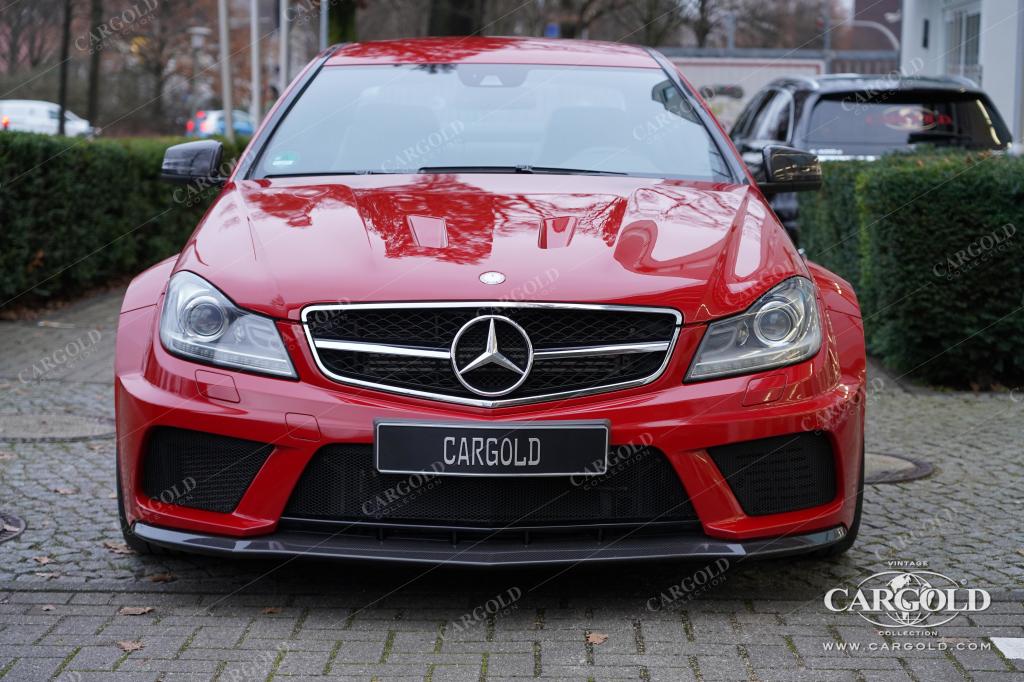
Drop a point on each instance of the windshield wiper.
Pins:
(551, 170)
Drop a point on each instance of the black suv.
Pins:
(851, 116)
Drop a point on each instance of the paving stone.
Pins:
(963, 520)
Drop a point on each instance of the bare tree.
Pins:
(29, 32)
(584, 13)
(651, 22)
(158, 44)
(42, 39)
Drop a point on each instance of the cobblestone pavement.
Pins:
(65, 581)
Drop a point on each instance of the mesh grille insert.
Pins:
(200, 470)
(434, 328)
(780, 474)
(341, 483)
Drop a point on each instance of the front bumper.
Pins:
(489, 552)
(299, 418)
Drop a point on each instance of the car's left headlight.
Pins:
(200, 323)
(781, 328)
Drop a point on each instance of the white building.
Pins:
(980, 39)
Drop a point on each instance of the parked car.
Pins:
(849, 116)
(490, 301)
(210, 122)
(34, 116)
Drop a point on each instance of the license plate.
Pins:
(553, 448)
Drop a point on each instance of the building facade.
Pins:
(980, 39)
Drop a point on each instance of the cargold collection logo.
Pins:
(909, 599)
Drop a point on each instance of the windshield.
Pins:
(492, 118)
(897, 120)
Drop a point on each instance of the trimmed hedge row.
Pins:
(75, 214)
(934, 245)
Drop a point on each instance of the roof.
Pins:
(843, 82)
(492, 50)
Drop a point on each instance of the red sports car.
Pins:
(490, 301)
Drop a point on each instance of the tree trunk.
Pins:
(13, 39)
(65, 48)
(93, 108)
(702, 29)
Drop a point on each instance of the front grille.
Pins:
(780, 474)
(340, 483)
(407, 348)
(200, 470)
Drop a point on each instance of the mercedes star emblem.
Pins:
(492, 355)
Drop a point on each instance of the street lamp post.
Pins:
(282, 76)
(197, 40)
(225, 71)
(255, 105)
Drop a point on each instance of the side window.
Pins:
(757, 121)
(744, 124)
(779, 128)
(773, 124)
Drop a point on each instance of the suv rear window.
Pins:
(885, 121)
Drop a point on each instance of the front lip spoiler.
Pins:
(492, 552)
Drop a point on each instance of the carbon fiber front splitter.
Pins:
(496, 551)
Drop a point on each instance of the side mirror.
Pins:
(789, 170)
(193, 161)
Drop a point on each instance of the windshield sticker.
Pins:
(284, 159)
(914, 118)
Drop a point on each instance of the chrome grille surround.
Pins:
(647, 349)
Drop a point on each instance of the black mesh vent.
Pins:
(549, 376)
(547, 328)
(781, 474)
(341, 483)
(200, 470)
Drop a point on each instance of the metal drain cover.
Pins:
(887, 468)
(53, 427)
(10, 526)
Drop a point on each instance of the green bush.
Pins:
(940, 243)
(75, 214)
(830, 231)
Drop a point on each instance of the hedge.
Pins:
(75, 214)
(934, 245)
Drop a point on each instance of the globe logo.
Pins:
(915, 583)
(909, 599)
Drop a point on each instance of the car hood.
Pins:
(705, 249)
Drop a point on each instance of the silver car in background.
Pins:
(36, 116)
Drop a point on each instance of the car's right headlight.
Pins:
(200, 323)
(781, 328)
